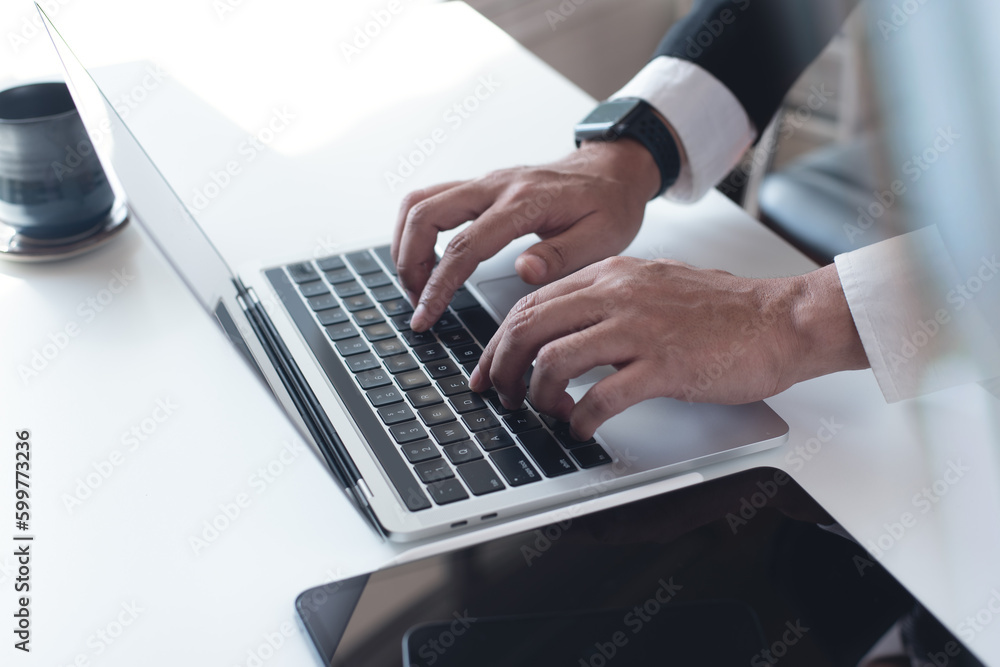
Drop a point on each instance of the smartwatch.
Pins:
(634, 118)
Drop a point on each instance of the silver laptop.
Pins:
(390, 409)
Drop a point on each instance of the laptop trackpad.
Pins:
(501, 294)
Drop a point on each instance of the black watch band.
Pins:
(634, 118)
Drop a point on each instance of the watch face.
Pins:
(610, 113)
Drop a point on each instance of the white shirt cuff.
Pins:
(713, 128)
(919, 333)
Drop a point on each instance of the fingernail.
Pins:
(474, 379)
(535, 266)
(417, 320)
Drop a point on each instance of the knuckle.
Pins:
(603, 401)
(460, 247)
(549, 359)
(521, 323)
(411, 199)
(420, 213)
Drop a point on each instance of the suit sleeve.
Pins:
(756, 48)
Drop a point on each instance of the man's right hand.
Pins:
(585, 207)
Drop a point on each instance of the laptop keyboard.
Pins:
(453, 443)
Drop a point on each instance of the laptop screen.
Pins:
(160, 212)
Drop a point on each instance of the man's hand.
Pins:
(586, 207)
(671, 330)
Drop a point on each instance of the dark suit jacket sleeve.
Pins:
(756, 48)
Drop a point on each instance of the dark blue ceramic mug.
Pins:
(52, 185)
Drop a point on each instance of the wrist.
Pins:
(627, 161)
(824, 337)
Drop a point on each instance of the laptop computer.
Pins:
(390, 409)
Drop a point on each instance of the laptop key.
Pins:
(415, 339)
(408, 432)
(467, 402)
(456, 338)
(368, 317)
(467, 354)
(440, 369)
(549, 456)
(362, 362)
(495, 438)
(372, 379)
(322, 302)
(313, 289)
(341, 331)
(397, 307)
(378, 279)
(395, 414)
(436, 414)
(480, 420)
(480, 477)
(424, 450)
(462, 452)
(378, 331)
(569, 442)
(338, 276)
(356, 303)
(330, 263)
(498, 407)
(515, 466)
(445, 434)
(384, 396)
(590, 456)
(463, 300)
(470, 366)
(388, 347)
(332, 316)
(433, 471)
(401, 363)
(363, 262)
(479, 323)
(456, 384)
(429, 353)
(385, 254)
(446, 322)
(421, 398)
(351, 288)
(351, 346)
(402, 322)
(386, 293)
(522, 421)
(412, 380)
(447, 491)
(302, 272)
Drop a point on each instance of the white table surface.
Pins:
(320, 186)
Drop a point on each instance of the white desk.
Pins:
(320, 185)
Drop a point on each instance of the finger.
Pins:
(530, 328)
(480, 379)
(589, 240)
(570, 357)
(609, 397)
(425, 219)
(409, 201)
(492, 231)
